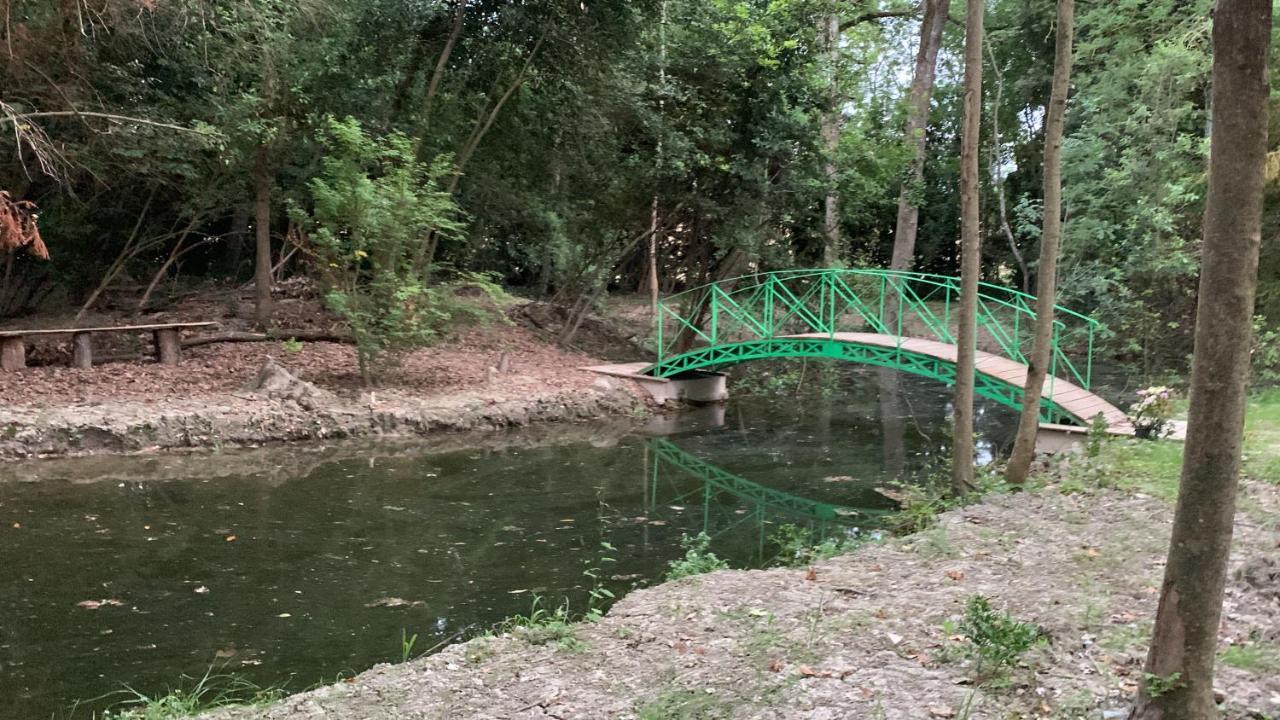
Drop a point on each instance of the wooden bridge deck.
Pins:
(1072, 398)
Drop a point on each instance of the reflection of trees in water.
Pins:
(893, 422)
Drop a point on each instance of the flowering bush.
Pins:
(1152, 412)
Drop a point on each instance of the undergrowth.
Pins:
(995, 641)
(208, 692)
(543, 626)
(698, 558)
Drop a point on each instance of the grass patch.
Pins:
(1155, 467)
(206, 693)
(1262, 437)
(1258, 658)
(685, 705)
(543, 626)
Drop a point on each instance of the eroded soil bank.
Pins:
(862, 635)
(493, 378)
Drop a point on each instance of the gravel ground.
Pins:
(862, 635)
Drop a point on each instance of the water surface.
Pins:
(294, 565)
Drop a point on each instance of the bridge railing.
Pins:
(888, 302)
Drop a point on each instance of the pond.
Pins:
(292, 566)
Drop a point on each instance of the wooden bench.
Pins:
(13, 343)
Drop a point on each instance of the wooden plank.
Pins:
(115, 328)
(1077, 401)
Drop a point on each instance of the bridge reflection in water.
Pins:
(733, 505)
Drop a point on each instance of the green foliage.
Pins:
(698, 559)
(685, 705)
(797, 547)
(543, 626)
(406, 645)
(1256, 656)
(1157, 685)
(598, 596)
(994, 639)
(1097, 437)
(373, 207)
(293, 346)
(1266, 352)
(206, 693)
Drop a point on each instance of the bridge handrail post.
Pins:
(769, 294)
(662, 350)
(883, 279)
(828, 286)
(1055, 350)
(1088, 367)
(946, 308)
(898, 330)
(715, 314)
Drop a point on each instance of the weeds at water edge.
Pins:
(698, 559)
(208, 692)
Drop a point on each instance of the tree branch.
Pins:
(872, 16)
(19, 117)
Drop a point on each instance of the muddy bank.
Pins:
(863, 635)
(249, 418)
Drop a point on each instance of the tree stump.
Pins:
(168, 346)
(82, 350)
(13, 354)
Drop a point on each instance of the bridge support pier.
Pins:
(696, 386)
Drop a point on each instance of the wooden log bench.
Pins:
(168, 338)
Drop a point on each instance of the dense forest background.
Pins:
(157, 137)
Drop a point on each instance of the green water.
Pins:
(292, 566)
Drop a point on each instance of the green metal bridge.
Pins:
(901, 320)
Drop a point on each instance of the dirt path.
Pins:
(863, 636)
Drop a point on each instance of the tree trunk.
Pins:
(13, 354)
(262, 232)
(931, 26)
(82, 350)
(652, 272)
(1024, 447)
(1184, 641)
(892, 422)
(970, 254)
(830, 132)
(996, 163)
(168, 346)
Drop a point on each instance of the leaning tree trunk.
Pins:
(1024, 447)
(1185, 638)
(970, 252)
(262, 230)
(904, 237)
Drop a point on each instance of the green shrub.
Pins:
(796, 546)
(698, 558)
(373, 208)
(995, 639)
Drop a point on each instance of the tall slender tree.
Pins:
(829, 32)
(263, 305)
(1024, 447)
(918, 97)
(970, 254)
(1185, 638)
